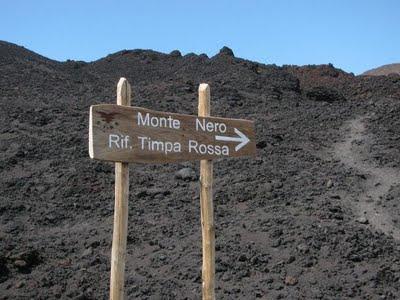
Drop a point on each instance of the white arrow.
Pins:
(243, 139)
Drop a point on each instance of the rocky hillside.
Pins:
(314, 216)
(384, 70)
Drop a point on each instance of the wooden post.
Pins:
(118, 252)
(206, 207)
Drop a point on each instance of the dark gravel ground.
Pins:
(284, 229)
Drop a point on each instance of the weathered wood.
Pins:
(118, 253)
(207, 208)
(133, 134)
(124, 134)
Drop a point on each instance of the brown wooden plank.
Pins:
(207, 207)
(120, 233)
(134, 134)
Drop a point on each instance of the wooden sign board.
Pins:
(134, 134)
(124, 134)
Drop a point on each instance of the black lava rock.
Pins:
(321, 93)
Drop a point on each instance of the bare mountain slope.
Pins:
(289, 224)
(384, 70)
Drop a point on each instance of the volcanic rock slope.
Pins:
(384, 70)
(314, 216)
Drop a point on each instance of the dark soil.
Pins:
(289, 224)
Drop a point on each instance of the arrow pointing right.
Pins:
(242, 139)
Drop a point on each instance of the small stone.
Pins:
(20, 263)
(269, 195)
(242, 258)
(362, 220)
(276, 243)
(10, 227)
(329, 184)
(65, 262)
(277, 184)
(41, 189)
(302, 248)
(186, 174)
(27, 258)
(290, 280)
(157, 191)
(268, 187)
(269, 280)
(308, 262)
(141, 194)
(243, 273)
(291, 259)
(87, 252)
(261, 144)
(226, 277)
(19, 284)
(95, 244)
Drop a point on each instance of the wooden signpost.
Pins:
(123, 134)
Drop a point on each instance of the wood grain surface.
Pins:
(134, 134)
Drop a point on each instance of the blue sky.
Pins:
(353, 35)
